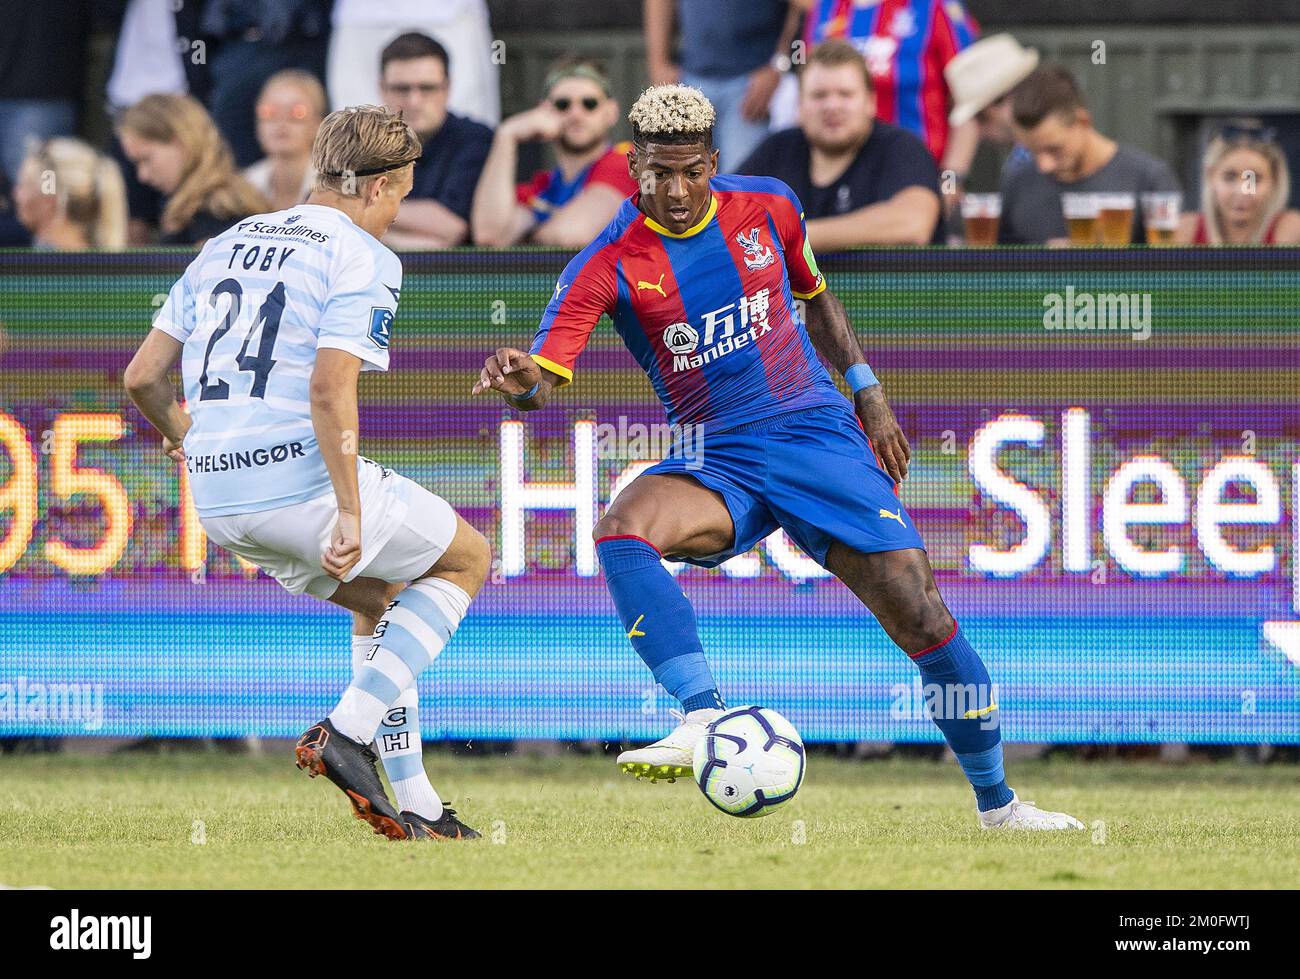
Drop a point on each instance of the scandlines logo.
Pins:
(282, 230)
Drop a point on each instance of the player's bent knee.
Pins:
(467, 560)
(917, 621)
(614, 524)
(924, 624)
(367, 598)
(937, 628)
(478, 553)
(391, 592)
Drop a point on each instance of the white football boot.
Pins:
(672, 757)
(1025, 815)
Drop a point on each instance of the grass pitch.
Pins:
(208, 819)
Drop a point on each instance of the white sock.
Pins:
(414, 630)
(398, 743)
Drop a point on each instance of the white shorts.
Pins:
(404, 530)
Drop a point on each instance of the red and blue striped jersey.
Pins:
(907, 44)
(709, 314)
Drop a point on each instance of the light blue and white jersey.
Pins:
(252, 310)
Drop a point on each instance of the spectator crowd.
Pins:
(893, 121)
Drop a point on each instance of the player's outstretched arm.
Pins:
(832, 336)
(517, 377)
(146, 381)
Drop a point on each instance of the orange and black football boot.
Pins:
(322, 750)
(445, 827)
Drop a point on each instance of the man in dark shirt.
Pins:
(415, 77)
(861, 181)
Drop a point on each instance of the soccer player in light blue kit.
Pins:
(700, 274)
(273, 322)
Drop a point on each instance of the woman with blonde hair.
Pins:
(71, 197)
(176, 148)
(289, 111)
(1245, 186)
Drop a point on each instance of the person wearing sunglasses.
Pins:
(568, 205)
(1245, 186)
(415, 78)
(289, 111)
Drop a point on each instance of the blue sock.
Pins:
(658, 619)
(959, 697)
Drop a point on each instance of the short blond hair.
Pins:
(360, 142)
(672, 114)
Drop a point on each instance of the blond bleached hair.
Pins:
(88, 189)
(356, 144)
(672, 114)
(1218, 148)
(209, 180)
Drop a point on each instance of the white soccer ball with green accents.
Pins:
(749, 762)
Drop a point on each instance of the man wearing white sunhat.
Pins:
(980, 79)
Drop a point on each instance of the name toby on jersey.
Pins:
(219, 462)
(734, 326)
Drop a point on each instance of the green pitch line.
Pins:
(213, 820)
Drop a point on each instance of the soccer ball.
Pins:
(749, 762)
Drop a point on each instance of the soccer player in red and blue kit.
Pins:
(701, 275)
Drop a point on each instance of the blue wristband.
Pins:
(516, 398)
(860, 376)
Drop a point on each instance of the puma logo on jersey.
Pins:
(891, 515)
(656, 286)
(634, 631)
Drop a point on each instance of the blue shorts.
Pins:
(810, 472)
